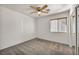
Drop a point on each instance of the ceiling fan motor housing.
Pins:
(38, 8)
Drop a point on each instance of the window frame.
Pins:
(57, 25)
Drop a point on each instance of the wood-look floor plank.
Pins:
(38, 47)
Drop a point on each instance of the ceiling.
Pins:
(24, 8)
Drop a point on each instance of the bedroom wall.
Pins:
(15, 27)
(43, 29)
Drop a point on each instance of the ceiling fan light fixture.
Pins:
(39, 12)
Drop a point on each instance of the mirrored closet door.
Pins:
(74, 29)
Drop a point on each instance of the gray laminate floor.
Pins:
(38, 47)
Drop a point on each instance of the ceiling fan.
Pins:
(40, 10)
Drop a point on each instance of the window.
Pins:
(58, 25)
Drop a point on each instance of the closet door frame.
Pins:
(76, 27)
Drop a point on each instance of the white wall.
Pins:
(15, 28)
(43, 31)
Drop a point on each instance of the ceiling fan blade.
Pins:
(44, 11)
(34, 12)
(45, 6)
(47, 9)
(39, 14)
(33, 7)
